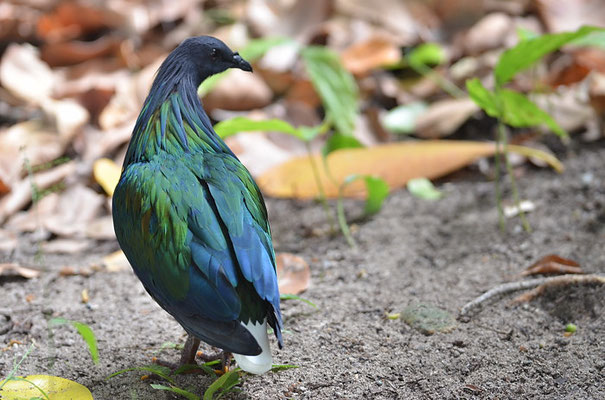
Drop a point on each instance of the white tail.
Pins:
(261, 363)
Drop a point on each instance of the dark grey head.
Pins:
(196, 59)
(211, 56)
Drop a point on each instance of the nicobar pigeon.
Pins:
(192, 221)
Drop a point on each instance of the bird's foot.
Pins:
(187, 363)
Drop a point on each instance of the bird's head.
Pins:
(210, 56)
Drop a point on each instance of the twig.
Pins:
(529, 284)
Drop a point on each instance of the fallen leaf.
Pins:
(107, 174)
(77, 207)
(21, 193)
(373, 53)
(396, 163)
(56, 388)
(74, 52)
(443, 117)
(240, 90)
(66, 246)
(293, 273)
(70, 20)
(8, 241)
(13, 269)
(489, 33)
(116, 261)
(25, 75)
(84, 296)
(423, 189)
(563, 15)
(553, 264)
(101, 228)
(403, 119)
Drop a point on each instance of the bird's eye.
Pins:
(214, 53)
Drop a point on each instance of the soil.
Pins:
(443, 253)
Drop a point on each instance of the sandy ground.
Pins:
(442, 253)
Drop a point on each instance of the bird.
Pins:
(191, 220)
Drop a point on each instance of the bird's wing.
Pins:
(197, 236)
(241, 209)
(176, 245)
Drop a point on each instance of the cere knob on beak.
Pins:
(240, 63)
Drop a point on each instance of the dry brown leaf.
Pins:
(21, 193)
(101, 228)
(565, 15)
(74, 52)
(8, 241)
(26, 141)
(66, 246)
(396, 163)
(13, 269)
(553, 264)
(442, 118)
(25, 75)
(116, 261)
(297, 19)
(393, 15)
(70, 20)
(240, 90)
(489, 33)
(78, 206)
(107, 174)
(293, 273)
(373, 53)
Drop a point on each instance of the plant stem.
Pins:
(513, 180)
(445, 84)
(342, 219)
(501, 219)
(322, 194)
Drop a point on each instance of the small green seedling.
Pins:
(85, 332)
(571, 328)
(513, 108)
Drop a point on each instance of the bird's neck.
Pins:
(173, 121)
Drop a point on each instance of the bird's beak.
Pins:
(239, 62)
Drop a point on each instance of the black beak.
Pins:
(240, 63)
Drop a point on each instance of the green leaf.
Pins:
(89, 337)
(335, 85)
(338, 141)
(519, 111)
(402, 119)
(175, 389)
(295, 297)
(225, 383)
(257, 48)
(484, 98)
(594, 39)
(282, 367)
(85, 332)
(427, 54)
(527, 52)
(162, 372)
(423, 188)
(242, 124)
(526, 34)
(377, 189)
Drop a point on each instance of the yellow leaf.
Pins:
(396, 163)
(56, 388)
(107, 174)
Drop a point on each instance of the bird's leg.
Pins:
(189, 351)
(187, 355)
(225, 361)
